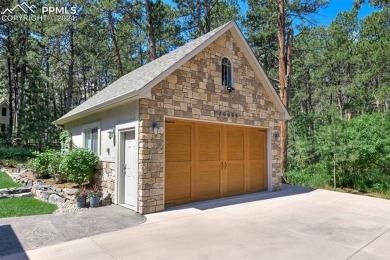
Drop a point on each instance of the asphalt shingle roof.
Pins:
(140, 77)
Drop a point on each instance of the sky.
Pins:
(327, 14)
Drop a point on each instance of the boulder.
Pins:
(45, 195)
(69, 191)
(56, 199)
(42, 187)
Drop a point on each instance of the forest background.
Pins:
(333, 77)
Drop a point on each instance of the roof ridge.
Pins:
(136, 79)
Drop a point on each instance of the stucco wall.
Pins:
(106, 170)
(107, 120)
(194, 91)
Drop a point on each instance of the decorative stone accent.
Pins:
(194, 91)
(105, 178)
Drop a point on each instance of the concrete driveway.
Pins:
(295, 223)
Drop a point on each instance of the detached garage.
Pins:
(206, 161)
(198, 123)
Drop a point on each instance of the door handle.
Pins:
(221, 165)
(225, 165)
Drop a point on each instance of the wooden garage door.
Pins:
(204, 161)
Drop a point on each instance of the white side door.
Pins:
(130, 170)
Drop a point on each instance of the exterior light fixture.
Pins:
(230, 89)
(155, 127)
(277, 135)
(111, 133)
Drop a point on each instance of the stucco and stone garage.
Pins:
(200, 122)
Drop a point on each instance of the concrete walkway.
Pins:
(294, 223)
(27, 233)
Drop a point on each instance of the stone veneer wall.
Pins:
(105, 178)
(194, 91)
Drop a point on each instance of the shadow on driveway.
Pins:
(21, 234)
(10, 244)
(287, 190)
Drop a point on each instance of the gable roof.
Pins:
(3, 101)
(139, 82)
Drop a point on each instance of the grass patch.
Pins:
(16, 207)
(7, 182)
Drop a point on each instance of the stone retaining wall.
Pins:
(104, 176)
(15, 192)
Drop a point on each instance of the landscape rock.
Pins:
(56, 199)
(45, 195)
(19, 195)
(69, 191)
(42, 187)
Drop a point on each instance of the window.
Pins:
(2, 128)
(227, 77)
(4, 111)
(91, 141)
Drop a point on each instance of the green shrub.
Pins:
(78, 165)
(309, 178)
(10, 163)
(46, 164)
(20, 154)
(66, 141)
(358, 149)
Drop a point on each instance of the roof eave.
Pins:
(100, 107)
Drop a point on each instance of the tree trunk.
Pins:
(69, 90)
(23, 74)
(152, 40)
(340, 103)
(140, 52)
(208, 16)
(282, 82)
(198, 19)
(10, 90)
(114, 41)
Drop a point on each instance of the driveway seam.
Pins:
(370, 242)
(105, 250)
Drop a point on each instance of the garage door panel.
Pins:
(209, 143)
(178, 143)
(235, 143)
(177, 181)
(235, 177)
(209, 179)
(257, 175)
(257, 143)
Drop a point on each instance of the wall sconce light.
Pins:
(155, 127)
(230, 89)
(111, 133)
(277, 136)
